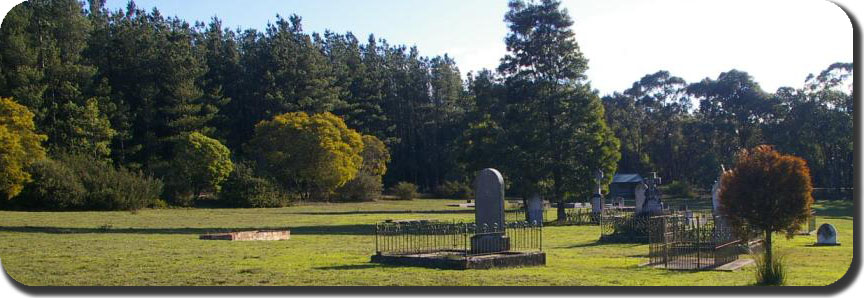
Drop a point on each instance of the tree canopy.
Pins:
(125, 86)
(309, 154)
(20, 146)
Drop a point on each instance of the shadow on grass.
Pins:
(839, 208)
(383, 212)
(352, 267)
(598, 243)
(357, 229)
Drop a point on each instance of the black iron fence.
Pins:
(682, 241)
(626, 226)
(623, 226)
(467, 239)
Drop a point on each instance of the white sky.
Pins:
(777, 42)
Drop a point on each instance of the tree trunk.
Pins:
(768, 253)
(562, 213)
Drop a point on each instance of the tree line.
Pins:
(129, 88)
(686, 131)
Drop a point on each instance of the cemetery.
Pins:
(489, 242)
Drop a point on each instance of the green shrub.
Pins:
(244, 189)
(113, 188)
(159, 204)
(200, 164)
(770, 272)
(680, 189)
(364, 187)
(54, 187)
(454, 190)
(404, 190)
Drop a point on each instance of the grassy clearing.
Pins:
(331, 245)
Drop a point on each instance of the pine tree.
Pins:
(563, 137)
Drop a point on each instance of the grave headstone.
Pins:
(534, 208)
(489, 198)
(719, 219)
(652, 204)
(639, 193)
(597, 201)
(826, 235)
(489, 213)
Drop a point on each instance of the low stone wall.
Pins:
(249, 236)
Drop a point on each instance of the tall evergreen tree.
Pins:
(45, 70)
(563, 138)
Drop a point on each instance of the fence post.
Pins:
(377, 231)
(698, 244)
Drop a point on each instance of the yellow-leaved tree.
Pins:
(310, 155)
(20, 146)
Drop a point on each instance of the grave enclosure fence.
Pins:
(573, 216)
(626, 226)
(692, 242)
(412, 238)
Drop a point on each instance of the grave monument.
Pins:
(489, 213)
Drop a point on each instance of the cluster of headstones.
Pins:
(489, 206)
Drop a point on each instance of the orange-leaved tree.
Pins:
(766, 191)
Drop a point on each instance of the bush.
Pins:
(200, 163)
(308, 155)
(113, 188)
(364, 187)
(404, 190)
(244, 189)
(454, 190)
(54, 187)
(680, 189)
(770, 272)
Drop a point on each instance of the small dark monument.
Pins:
(534, 209)
(826, 236)
(490, 242)
(652, 204)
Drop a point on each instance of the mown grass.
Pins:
(331, 245)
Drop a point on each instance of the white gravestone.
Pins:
(597, 201)
(640, 196)
(719, 219)
(826, 235)
(489, 213)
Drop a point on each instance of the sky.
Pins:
(778, 42)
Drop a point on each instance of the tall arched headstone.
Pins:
(489, 198)
(490, 236)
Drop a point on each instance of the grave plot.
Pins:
(489, 242)
(681, 242)
(459, 245)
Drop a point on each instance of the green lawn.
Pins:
(331, 245)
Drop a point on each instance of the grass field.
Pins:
(331, 244)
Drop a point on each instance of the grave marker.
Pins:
(489, 213)
(826, 235)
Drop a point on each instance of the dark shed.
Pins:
(624, 185)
